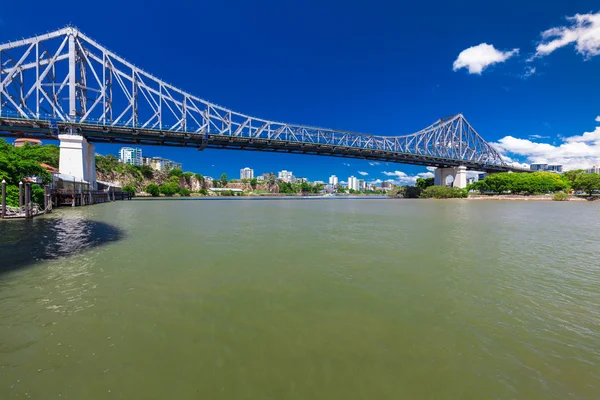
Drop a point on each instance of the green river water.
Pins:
(302, 299)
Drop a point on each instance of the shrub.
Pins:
(199, 177)
(129, 189)
(176, 172)
(184, 192)
(561, 196)
(203, 192)
(153, 190)
(227, 193)
(169, 188)
(443, 192)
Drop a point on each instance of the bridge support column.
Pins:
(77, 158)
(459, 174)
(460, 177)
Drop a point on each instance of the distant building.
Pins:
(301, 180)
(333, 180)
(538, 167)
(470, 180)
(386, 185)
(481, 176)
(260, 178)
(319, 182)
(558, 168)
(246, 173)
(353, 183)
(594, 170)
(23, 141)
(161, 164)
(362, 186)
(130, 155)
(286, 176)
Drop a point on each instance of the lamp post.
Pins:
(20, 196)
(3, 198)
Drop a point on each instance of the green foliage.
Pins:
(184, 192)
(199, 177)
(17, 163)
(572, 176)
(153, 190)
(405, 192)
(443, 192)
(587, 182)
(226, 193)
(560, 196)
(253, 183)
(37, 194)
(203, 192)
(188, 175)
(108, 163)
(169, 188)
(12, 195)
(129, 189)
(223, 180)
(146, 171)
(520, 183)
(424, 183)
(272, 179)
(176, 172)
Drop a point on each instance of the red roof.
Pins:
(49, 168)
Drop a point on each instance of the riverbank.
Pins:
(548, 197)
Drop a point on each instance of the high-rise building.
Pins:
(286, 176)
(333, 180)
(353, 183)
(130, 155)
(246, 173)
(162, 164)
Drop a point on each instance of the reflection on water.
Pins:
(24, 242)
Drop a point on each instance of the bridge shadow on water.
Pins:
(25, 242)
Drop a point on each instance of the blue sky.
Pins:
(380, 67)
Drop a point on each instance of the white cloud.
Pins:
(376, 181)
(477, 58)
(597, 118)
(536, 136)
(579, 151)
(431, 169)
(363, 173)
(374, 163)
(529, 71)
(401, 178)
(584, 32)
(346, 164)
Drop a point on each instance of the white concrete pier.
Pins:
(77, 158)
(459, 174)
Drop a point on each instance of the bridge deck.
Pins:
(14, 127)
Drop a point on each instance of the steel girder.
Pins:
(65, 76)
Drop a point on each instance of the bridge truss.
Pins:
(64, 81)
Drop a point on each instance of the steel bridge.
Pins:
(64, 82)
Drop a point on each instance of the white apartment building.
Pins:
(286, 176)
(594, 170)
(246, 173)
(130, 155)
(353, 183)
(333, 180)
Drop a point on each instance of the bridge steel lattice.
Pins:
(64, 82)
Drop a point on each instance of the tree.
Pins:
(184, 192)
(424, 183)
(200, 178)
(153, 189)
(223, 180)
(129, 189)
(253, 183)
(169, 188)
(146, 171)
(572, 176)
(588, 183)
(176, 172)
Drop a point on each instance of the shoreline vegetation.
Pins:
(576, 185)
